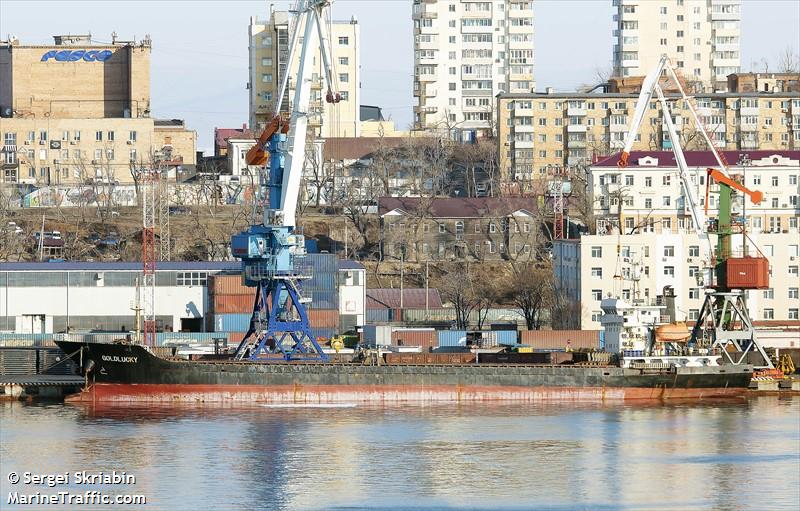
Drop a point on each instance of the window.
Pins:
(76, 135)
(133, 155)
(669, 271)
(191, 278)
(344, 77)
(492, 227)
(648, 203)
(43, 136)
(344, 40)
(665, 200)
(132, 136)
(665, 180)
(459, 230)
(597, 252)
(769, 294)
(794, 314)
(98, 154)
(98, 136)
(769, 313)
(266, 78)
(628, 180)
(774, 180)
(442, 229)
(109, 154)
(694, 293)
(597, 294)
(266, 40)
(344, 61)
(694, 251)
(669, 251)
(597, 272)
(110, 136)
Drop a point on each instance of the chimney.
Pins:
(549, 90)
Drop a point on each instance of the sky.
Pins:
(199, 62)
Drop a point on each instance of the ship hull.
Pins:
(128, 373)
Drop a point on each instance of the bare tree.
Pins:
(530, 289)
(788, 61)
(458, 286)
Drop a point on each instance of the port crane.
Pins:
(272, 252)
(724, 323)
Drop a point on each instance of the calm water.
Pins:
(698, 456)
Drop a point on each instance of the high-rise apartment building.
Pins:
(269, 53)
(535, 131)
(701, 38)
(465, 53)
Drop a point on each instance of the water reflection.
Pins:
(729, 455)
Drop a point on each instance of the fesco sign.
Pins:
(75, 55)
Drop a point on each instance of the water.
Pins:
(735, 455)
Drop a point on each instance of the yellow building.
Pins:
(269, 53)
(541, 130)
(78, 112)
(76, 78)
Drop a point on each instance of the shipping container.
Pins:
(323, 318)
(231, 322)
(452, 338)
(229, 285)
(747, 273)
(232, 304)
(377, 315)
(377, 335)
(425, 338)
(498, 338)
(428, 315)
(560, 339)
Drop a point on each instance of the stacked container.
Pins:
(561, 339)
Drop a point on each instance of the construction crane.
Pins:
(724, 323)
(272, 252)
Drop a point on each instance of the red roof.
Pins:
(695, 158)
(356, 148)
(412, 299)
(221, 135)
(458, 207)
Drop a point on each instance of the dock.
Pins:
(47, 386)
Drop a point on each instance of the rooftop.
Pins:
(356, 148)
(706, 158)
(457, 207)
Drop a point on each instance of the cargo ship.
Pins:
(128, 372)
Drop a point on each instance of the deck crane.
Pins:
(724, 324)
(272, 252)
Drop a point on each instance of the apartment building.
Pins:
(548, 129)
(79, 112)
(648, 196)
(701, 37)
(465, 53)
(594, 267)
(459, 229)
(269, 55)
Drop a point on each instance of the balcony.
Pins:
(726, 47)
(576, 144)
(575, 112)
(616, 128)
(630, 63)
(576, 128)
(748, 127)
(749, 110)
(523, 144)
(749, 144)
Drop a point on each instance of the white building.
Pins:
(269, 55)
(352, 294)
(647, 196)
(594, 267)
(237, 159)
(701, 38)
(465, 53)
(81, 297)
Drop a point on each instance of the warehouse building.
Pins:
(93, 296)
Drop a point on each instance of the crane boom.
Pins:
(271, 252)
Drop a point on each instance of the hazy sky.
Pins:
(199, 60)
